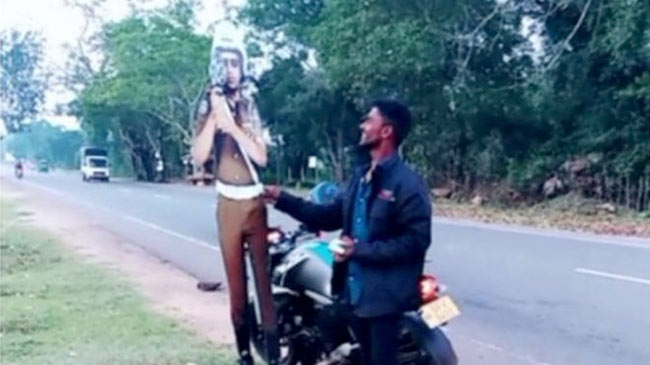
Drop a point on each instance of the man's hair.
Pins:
(397, 114)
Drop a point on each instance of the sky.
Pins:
(60, 24)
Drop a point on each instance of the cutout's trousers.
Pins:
(245, 222)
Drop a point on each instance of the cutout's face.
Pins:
(233, 67)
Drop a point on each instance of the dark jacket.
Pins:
(399, 219)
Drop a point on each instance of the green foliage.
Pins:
(41, 140)
(145, 98)
(313, 118)
(490, 104)
(56, 310)
(502, 91)
(22, 82)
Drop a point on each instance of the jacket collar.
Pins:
(382, 168)
(389, 163)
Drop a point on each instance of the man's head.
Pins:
(387, 123)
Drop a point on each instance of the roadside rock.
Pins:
(607, 207)
(478, 200)
(577, 166)
(553, 187)
(444, 193)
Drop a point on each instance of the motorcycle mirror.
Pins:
(324, 193)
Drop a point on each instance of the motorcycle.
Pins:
(301, 269)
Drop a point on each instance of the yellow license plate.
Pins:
(440, 311)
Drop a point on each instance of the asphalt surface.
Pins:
(528, 296)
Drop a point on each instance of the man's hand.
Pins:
(271, 194)
(348, 244)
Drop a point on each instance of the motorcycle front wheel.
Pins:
(293, 350)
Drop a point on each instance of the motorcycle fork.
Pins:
(252, 287)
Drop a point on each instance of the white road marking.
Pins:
(170, 232)
(487, 345)
(608, 275)
(492, 347)
(45, 188)
(162, 196)
(128, 217)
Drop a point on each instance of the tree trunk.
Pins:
(647, 191)
(138, 166)
(603, 184)
(136, 159)
(148, 165)
(620, 191)
(609, 196)
(339, 154)
(627, 190)
(639, 194)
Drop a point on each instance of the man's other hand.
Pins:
(348, 244)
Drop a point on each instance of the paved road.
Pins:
(528, 296)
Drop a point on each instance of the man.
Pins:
(385, 214)
(233, 132)
(18, 168)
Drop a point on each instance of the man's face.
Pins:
(374, 129)
(233, 66)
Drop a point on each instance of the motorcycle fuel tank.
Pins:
(307, 269)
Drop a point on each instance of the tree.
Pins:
(596, 93)
(312, 117)
(502, 92)
(156, 69)
(22, 81)
(42, 140)
(417, 51)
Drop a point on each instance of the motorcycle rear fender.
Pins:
(433, 341)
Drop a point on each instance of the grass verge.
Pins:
(56, 309)
(568, 213)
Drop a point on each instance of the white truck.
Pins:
(94, 164)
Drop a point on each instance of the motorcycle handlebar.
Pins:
(299, 233)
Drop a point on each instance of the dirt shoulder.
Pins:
(169, 291)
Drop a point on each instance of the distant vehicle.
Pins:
(18, 169)
(43, 165)
(94, 164)
(199, 175)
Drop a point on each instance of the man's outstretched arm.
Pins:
(327, 217)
